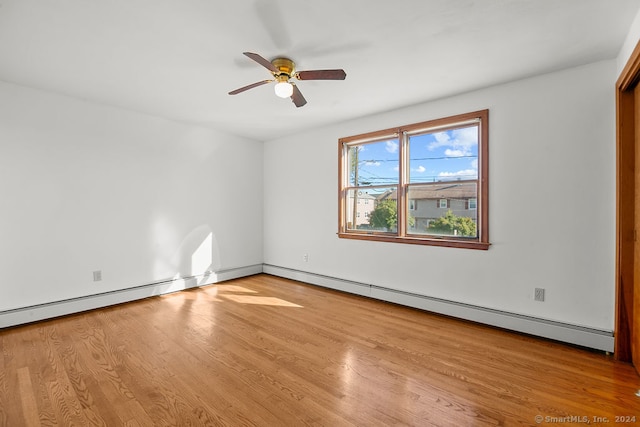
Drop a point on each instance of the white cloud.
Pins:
(463, 174)
(391, 146)
(442, 138)
(419, 169)
(459, 141)
(454, 153)
(372, 163)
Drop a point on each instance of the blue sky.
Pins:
(438, 156)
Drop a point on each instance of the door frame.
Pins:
(625, 205)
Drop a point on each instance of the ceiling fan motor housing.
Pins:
(285, 66)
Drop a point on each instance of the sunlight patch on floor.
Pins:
(258, 300)
(235, 288)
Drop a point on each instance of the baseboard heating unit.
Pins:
(50, 310)
(573, 334)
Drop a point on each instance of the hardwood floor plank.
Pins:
(26, 393)
(4, 401)
(268, 351)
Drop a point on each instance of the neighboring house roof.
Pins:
(439, 190)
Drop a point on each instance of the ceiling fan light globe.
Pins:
(283, 89)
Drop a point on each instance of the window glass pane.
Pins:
(374, 163)
(444, 155)
(430, 218)
(373, 209)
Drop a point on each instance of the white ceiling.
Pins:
(178, 59)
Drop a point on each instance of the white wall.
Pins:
(552, 203)
(85, 187)
(629, 44)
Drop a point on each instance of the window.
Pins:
(443, 164)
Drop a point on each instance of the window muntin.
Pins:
(407, 173)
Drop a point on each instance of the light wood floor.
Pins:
(272, 352)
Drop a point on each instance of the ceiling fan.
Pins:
(283, 70)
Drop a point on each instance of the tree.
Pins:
(453, 225)
(385, 215)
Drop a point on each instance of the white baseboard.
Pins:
(568, 333)
(50, 310)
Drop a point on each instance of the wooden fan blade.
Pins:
(260, 60)
(297, 97)
(321, 75)
(251, 86)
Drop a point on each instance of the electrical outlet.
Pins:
(539, 294)
(97, 275)
(305, 257)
